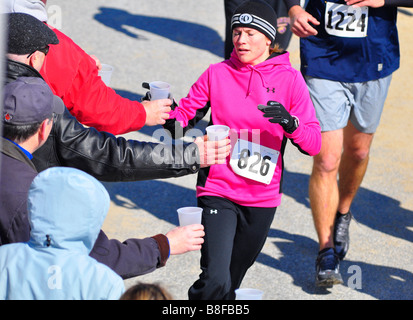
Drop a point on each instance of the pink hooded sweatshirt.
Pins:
(252, 175)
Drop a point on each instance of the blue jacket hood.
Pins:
(66, 208)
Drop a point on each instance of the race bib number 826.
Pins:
(253, 161)
(346, 21)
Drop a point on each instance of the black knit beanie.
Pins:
(27, 34)
(257, 15)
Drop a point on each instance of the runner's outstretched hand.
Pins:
(278, 114)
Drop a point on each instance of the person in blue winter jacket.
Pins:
(66, 210)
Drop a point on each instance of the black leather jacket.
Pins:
(101, 154)
(109, 158)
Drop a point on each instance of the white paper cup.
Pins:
(106, 73)
(189, 215)
(217, 132)
(248, 294)
(159, 90)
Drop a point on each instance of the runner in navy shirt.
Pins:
(349, 50)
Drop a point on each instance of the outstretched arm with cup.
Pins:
(210, 152)
(157, 108)
(185, 239)
(88, 98)
(134, 257)
(157, 111)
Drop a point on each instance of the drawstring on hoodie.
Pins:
(264, 83)
(48, 240)
(241, 67)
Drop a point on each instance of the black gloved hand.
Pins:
(147, 96)
(277, 114)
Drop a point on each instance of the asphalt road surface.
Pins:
(175, 41)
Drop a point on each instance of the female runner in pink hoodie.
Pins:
(264, 101)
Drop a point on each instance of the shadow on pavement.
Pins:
(297, 259)
(372, 209)
(187, 33)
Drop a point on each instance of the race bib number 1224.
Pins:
(346, 21)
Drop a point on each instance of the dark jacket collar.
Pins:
(11, 150)
(17, 69)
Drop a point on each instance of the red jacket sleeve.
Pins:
(72, 75)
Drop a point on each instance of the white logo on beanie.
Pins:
(256, 15)
(245, 18)
(255, 22)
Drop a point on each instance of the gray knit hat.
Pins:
(257, 15)
(27, 34)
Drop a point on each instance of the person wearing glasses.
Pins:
(82, 90)
(45, 51)
(106, 158)
(29, 107)
(55, 195)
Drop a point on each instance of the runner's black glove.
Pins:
(147, 96)
(277, 114)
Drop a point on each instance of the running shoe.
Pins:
(328, 268)
(341, 233)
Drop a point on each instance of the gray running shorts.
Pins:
(338, 102)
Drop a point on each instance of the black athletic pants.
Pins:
(234, 236)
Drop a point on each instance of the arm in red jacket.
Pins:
(72, 75)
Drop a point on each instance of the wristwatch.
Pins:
(296, 121)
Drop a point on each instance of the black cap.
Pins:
(257, 15)
(29, 100)
(28, 34)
